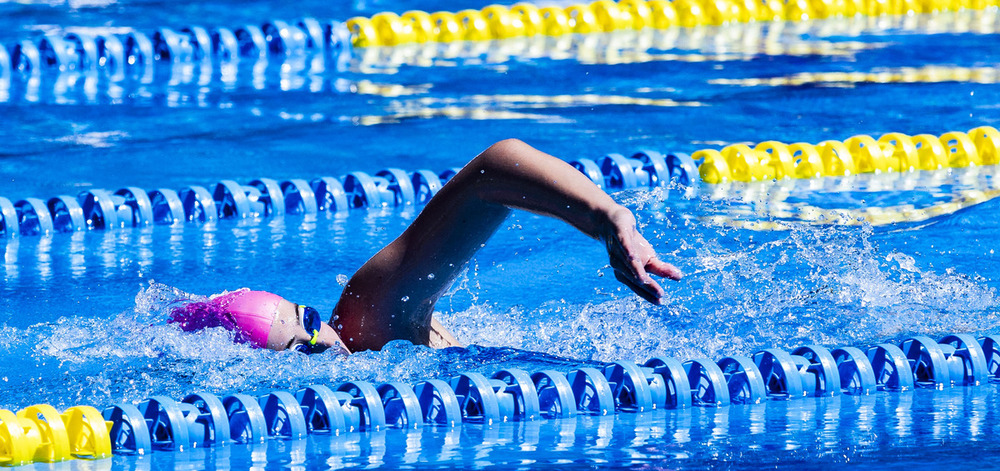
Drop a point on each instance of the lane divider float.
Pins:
(40, 434)
(100, 209)
(603, 16)
(892, 152)
(134, 53)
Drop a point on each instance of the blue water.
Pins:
(82, 314)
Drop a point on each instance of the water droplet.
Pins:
(405, 298)
(342, 279)
(430, 276)
(482, 171)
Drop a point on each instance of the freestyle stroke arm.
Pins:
(392, 296)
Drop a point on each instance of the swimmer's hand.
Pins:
(633, 258)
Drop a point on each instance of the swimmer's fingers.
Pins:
(647, 292)
(664, 269)
(633, 274)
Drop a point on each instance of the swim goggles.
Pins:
(311, 322)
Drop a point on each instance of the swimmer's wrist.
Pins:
(612, 221)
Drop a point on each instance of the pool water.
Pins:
(83, 314)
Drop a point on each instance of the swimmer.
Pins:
(391, 297)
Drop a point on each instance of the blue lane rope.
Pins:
(203, 419)
(99, 209)
(133, 54)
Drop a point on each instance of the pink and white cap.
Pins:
(252, 311)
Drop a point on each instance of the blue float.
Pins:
(209, 423)
(629, 387)
(139, 55)
(201, 42)
(401, 186)
(744, 380)
(299, 197)
(682, 169)
(8, 219)
(138, 202)
(675, 379)
(591, 392)
(822, 368)
(99, 209)
(477, 398)
(966, 359)
(167, 206)
(991, 351)
(6, 69)
(857, 376)
(168, 428)
(401, 406)
(363, 406)
(67, 214)
(85, 49)
(246, 419)
(283, 416)
(251, 42)
(618, 172)
(284, 39)
(315, 36)
(591, 170)
(231, 200)
(270, 197)
(198, 204)
(33, 217)
(927, 361)
(425, 184)
(170, 46)
(128, 431)
(438, 403)
(520, 389)
(225, 46)
(654, 168)
(26, 59)
(707, 383)
(330, 195)
(891, 368)
(363, 191)
(321, 409)
(55, 53)
(111, 55)
(781, 374)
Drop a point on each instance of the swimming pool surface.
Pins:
(83, 314)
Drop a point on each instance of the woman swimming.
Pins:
(391, 297)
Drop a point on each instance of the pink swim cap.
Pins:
(253, 312)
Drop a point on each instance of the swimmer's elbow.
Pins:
(502, 153)
(509, 147)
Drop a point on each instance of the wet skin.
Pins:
(287, 331)
(392, 297)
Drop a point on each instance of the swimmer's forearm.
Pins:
(517, 175)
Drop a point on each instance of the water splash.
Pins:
(744, 291)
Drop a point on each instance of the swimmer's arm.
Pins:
(440, 337)
(392, 296)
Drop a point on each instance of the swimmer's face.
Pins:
(287, 331)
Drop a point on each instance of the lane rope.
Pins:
(40, 434)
